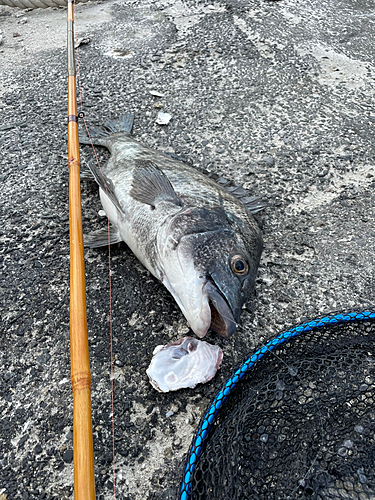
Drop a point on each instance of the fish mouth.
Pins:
(222, 319)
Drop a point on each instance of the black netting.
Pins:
(300, 425)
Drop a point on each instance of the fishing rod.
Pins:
(84, 481)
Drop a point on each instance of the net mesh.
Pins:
(300, 425)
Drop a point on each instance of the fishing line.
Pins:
(82, 115)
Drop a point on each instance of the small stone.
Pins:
(270, 162)
(163, 118)
(82, 41)
(68, 456)
(323, 173)
(177, 442)
(38, 449)
(156, 93)
(43, 358)
(23, 440)
(7, 127)
(7, 376)
(15, 35)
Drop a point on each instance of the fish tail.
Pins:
(99, 135)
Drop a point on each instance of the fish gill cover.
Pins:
(299, 425)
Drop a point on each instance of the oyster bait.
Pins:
(184, 363)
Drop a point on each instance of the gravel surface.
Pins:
(276, 95)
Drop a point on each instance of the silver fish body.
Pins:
(199, 240)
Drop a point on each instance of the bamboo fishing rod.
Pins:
(84, 482)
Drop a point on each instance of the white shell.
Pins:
(163, 118)
(184, 363)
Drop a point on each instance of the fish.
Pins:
(194, 235)
(183, 364)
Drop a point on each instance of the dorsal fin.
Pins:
(253, 203)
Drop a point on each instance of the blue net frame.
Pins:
(231, 384)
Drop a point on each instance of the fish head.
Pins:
(210, 260)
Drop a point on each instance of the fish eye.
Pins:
(239, 265)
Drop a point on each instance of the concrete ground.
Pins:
(276, 95)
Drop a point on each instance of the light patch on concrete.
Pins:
(265, 46)
(290, 17)
(43, 30)
(185, 17)
(337, 68)
(161, 449)
(119, 53)
(316, 198)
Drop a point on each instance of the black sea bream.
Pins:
(198, 239)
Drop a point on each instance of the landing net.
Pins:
(298, 425)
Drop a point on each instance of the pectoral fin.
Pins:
(102, 237)
(151, 186)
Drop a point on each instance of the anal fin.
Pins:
(101, 238)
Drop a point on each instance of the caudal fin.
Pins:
(99, 135)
